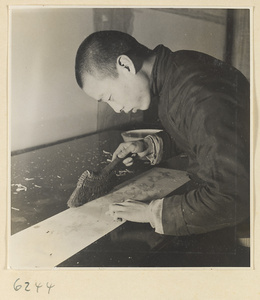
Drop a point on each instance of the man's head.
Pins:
(109, 67)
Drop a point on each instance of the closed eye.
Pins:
(101, 100)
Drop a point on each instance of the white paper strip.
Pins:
(55, 239)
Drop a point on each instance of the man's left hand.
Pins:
(131, 210)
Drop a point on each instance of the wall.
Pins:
(241, 41)
(46, 103)
(179, 31)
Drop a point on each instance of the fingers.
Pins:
(120, 215)
(121, 151)
(125, 148)
(124, 206)
(126, 203)
(128, 161)
(116, 211)
(117, 207)
(130, 210)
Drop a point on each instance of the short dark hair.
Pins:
(98, 53)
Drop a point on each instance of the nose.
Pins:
(116, 107)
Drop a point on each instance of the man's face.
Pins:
(128, 92)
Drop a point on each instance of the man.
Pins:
(203, 105)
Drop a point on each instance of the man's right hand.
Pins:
(141, 148)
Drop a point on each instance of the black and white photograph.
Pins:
(130, 138)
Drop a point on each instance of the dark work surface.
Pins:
(50, 175)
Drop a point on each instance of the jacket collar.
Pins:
(162, 65)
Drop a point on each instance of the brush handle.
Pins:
(110, 167)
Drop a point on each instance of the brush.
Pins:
(92, 185)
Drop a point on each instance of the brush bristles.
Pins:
(89, 187)
(74, 198)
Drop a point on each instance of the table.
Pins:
(43, 179)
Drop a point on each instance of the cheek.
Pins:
(140, 94)
(128, 94)
(131, 93)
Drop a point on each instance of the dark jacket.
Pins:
(203, 105)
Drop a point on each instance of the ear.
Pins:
(125, 64)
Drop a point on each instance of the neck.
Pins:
(147, 67)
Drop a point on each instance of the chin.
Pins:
(147, 103)
(145, 106)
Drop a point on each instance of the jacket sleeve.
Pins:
(170, 148)
(215, 129)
